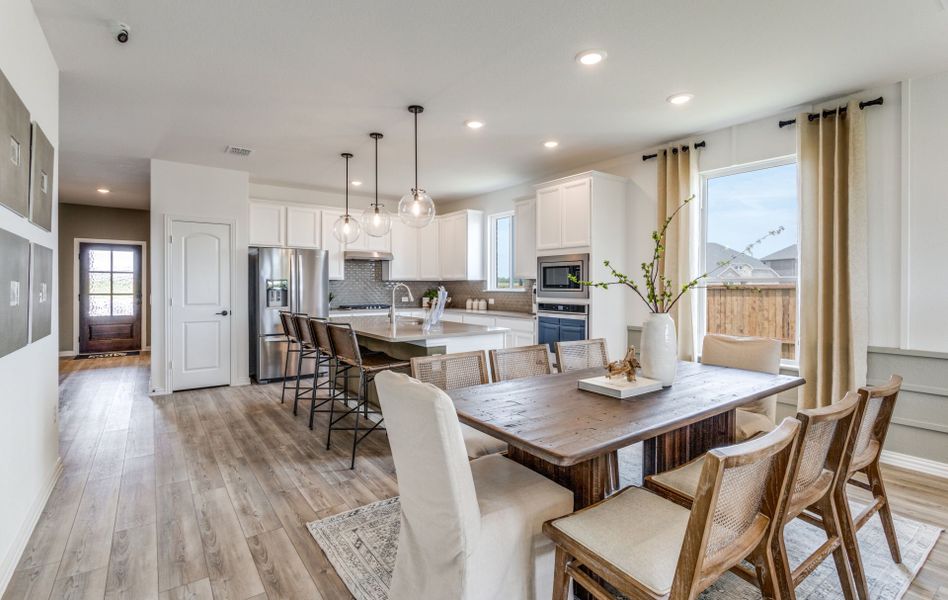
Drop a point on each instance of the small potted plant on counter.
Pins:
(429, 295)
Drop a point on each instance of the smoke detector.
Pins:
(239, 151)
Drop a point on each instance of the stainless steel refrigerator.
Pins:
(282, 279)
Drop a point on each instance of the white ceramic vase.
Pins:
(660, 348)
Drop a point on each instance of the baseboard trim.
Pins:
(66, 354)
(914, 463)
(12, 558)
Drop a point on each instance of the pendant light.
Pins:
(375, 219)
(347, 227)
(416, 208)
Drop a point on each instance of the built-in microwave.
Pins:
(553, 276)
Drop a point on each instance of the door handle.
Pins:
(223, 313)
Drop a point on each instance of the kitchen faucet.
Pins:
(391, 311)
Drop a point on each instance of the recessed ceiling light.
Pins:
(474, 124)
(103, 190)
(679, 99)
(551, 144)
(591, 57)
(356, 182)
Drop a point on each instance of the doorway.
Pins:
(110, 297)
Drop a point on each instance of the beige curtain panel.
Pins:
(833, 289)
(676, 175)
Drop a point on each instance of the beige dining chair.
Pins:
(750, 354)
(873, 417)
(646, 546)
(469, 529)
(581, 354)
(524, 361)
(452, 371)
(825, 435)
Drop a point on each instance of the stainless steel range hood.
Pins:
(368, 255)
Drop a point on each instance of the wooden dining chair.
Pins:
(581, 354)
(452, 371)
(750, 354)
(873, 417)
(646, 546)
(825, 436)
(515, 363)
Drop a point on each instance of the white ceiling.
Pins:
(300, 81)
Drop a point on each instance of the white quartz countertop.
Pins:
(410, 330)
(404, 310)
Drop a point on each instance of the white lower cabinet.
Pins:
(520, 331)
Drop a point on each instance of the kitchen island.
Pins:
(407, 338)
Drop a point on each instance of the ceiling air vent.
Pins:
(237, 150)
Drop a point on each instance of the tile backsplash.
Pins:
(363, 285)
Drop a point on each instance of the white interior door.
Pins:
(200, 304)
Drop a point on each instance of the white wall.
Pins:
(29, 445)
(183, 190)
(300, 195)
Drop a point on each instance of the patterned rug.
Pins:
(361, 545)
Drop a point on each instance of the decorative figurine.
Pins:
(626, 366)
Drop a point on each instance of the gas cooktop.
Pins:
(364, 306)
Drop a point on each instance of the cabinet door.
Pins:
(572, 330)
(549, 218)
(453, 245)
(337, 263)
(548, 331)
(481, 320)
(266, 224)
(525, 239)
(379, 244)
(404, 264)
(521, 338)
(303, 227)
(429, 252)
(452, 317)
(576, 203)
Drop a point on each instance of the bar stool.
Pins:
(325, 358)
(349, 359)
(292, 347)
(307, 351)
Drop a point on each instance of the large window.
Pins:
(752, 292)
(501, 254)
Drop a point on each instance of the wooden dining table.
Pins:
(572, 436)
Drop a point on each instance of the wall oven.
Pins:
(553, 276)
(561, 323)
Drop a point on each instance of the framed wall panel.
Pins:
(41, 179)
(41, 292)
(14, 150)
(14, 292)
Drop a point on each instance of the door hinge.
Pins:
(170, 239)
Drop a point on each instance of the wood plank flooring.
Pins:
(205, 495)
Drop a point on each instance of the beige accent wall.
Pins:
(101, 223)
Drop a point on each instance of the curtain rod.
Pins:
(828, 113)
(684, 148)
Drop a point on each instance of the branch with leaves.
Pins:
(659, 294)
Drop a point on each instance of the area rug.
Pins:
(361, 545)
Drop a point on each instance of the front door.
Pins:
(200, 304)
(110, 298)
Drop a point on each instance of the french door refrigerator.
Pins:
(290, 279)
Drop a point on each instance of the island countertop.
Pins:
(410, 331)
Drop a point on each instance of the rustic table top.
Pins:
(550, 417)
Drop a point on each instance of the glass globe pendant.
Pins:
(416, 208)
(347, 228)
(375, 219)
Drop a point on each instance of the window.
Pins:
(752, 292)
(501, 254)
(111, 283)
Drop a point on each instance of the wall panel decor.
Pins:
(14, 150)
(41, 179)
(14, 292)
(41, 292)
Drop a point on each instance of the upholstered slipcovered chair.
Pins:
(751, 354)
(469, 530)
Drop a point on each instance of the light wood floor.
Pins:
(205, 494)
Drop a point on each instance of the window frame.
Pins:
(704, 177)
(491, 282)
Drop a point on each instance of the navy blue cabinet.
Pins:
(552, 329)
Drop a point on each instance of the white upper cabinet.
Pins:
(429, 252)
(462, 245)
(303, 227)
(379, 244)
(549, 218)
(563, 215)
(404, 264)
(267, 224)
(337, 263)
(525, 239)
